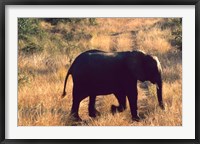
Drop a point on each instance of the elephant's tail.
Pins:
(64, 92)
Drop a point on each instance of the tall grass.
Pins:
(42, 72)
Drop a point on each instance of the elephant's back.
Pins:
(91, 56)
(96, 58)
(85, 58)
(95, 63)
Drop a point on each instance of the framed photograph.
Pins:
(99, 72)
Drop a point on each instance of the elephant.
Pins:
(96, 72)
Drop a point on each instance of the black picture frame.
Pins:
(99, 2)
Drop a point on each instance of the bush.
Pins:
(176, 25)
(177, 32)
(31, 48)
(55, 21)
(28, 26)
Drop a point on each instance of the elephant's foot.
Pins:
(136, 118)
(75, 117)
(94, 113)
(115, 109)
(162, 106)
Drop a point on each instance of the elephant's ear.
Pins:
(136, 65)
(152, 67)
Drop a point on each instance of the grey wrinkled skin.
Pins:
(96, 72)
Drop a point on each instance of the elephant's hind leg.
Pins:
(77, 98)
(91, 108)
(122, 103)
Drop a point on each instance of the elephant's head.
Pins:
(147, 68)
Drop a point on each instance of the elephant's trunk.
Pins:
(159, 92)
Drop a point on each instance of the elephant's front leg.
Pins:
(132, 98)
(92, 110)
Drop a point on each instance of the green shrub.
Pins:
(55, 21)
(31, 48)
(27, 27)
(176, 26)
(177, 32)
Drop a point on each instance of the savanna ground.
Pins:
(47, 47)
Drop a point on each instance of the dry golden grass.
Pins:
(39, 94)
(154, 40)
